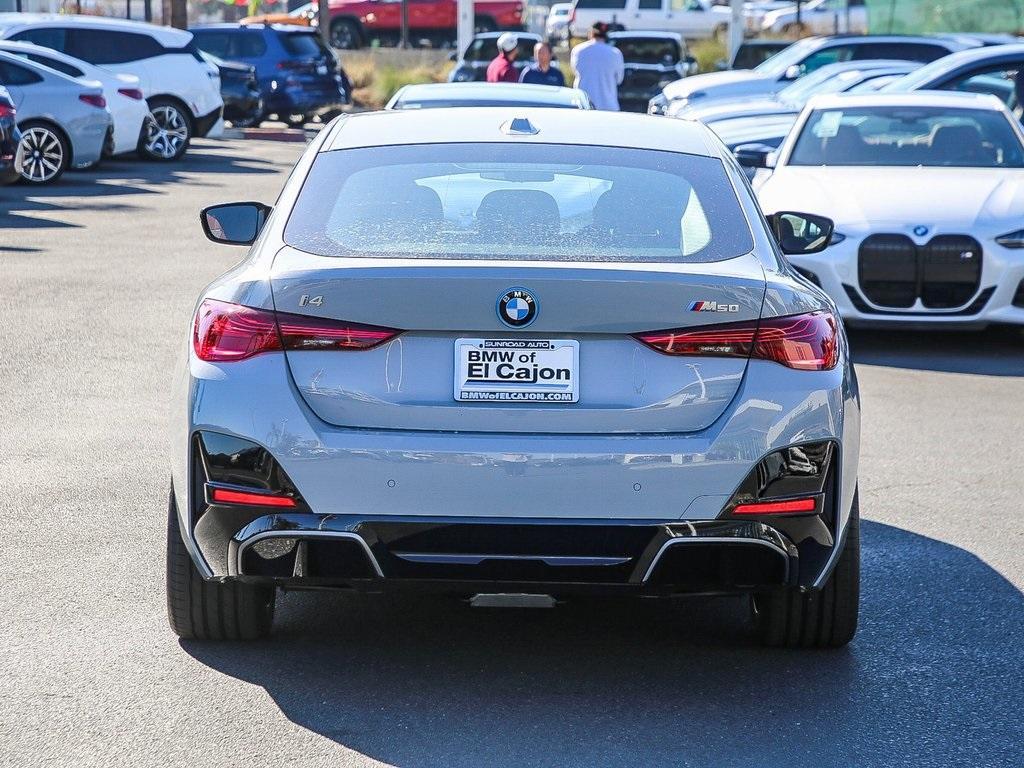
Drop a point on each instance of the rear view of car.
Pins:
(64, 123)
(515, 355)
(243, 104)
(299, 78)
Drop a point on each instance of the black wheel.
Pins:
(43, 153)
(166, 132)
(251, 120)
(822, 619)
(483, 24)
(345, 34)
(211, 610)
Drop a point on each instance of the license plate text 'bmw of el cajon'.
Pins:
(517, 370)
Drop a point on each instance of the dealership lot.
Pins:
(100, 272)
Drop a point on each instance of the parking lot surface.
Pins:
(99, 274)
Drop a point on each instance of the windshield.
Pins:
(639, 50)
(787, 57)
(908, 136)
(486, 49)
(538, 202)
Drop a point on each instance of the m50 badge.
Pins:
(713, 306)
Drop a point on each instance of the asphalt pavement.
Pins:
(98, 277)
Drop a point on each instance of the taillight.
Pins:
(807, 342)
(131, 93)
(93, 98)
(225, 332)
(6, 111)
(229, 496)
(790, 507)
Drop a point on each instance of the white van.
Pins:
(693, 19)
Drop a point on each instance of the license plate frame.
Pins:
(532, 371)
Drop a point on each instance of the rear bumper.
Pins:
(204, 124)
(547, 556)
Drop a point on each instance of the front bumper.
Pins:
(835, 270)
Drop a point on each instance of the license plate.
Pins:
(517, 370)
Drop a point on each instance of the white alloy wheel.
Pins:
(42, 154)
(166, 132)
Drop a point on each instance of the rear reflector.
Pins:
(226, 496)
(776, 507)
(93, 98)
(225, 332)
(131, 93)
(807, 342)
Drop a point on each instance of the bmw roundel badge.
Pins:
(920, 230)
(517, 308)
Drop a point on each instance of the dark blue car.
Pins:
(298, 76)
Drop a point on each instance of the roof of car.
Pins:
(42, 69)
(235, 26)
(647, 34)
(942, 99)
(166, 35)
(993, 53)
(491, 124)
(494, 91)
(949, 43)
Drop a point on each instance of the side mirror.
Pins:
(799, 233)
(234, 223)
(754, 155)
(793, 72)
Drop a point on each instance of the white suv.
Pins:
(693, 19)
(180, 87)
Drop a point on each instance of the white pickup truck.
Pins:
(693, 19)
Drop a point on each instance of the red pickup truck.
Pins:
(355, 23)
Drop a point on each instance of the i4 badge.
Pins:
(517, 308)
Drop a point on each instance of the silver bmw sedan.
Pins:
(516, 355)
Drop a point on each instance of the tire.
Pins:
(211, 610)
(297, 121)
(345, 34)
(43, 152)
(166, 131)
(483, 24)
(825, 618)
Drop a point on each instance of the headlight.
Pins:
(1012, 239)
(837, 238)
(656, 106)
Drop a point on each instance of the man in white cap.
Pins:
(501, 70)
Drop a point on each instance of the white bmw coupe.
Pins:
(927, 193)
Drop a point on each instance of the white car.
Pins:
(181, 89)
(693, 19)
(556, 29)
(926, 190)
(122, 92)
(820, 17)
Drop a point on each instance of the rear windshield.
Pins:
(542, 202)
(640, 50)
(908, 136)
(301, 43)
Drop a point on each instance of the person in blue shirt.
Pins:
(542, 73)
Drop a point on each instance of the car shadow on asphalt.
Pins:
(995, 351)
(117, 178)
(932, 677)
